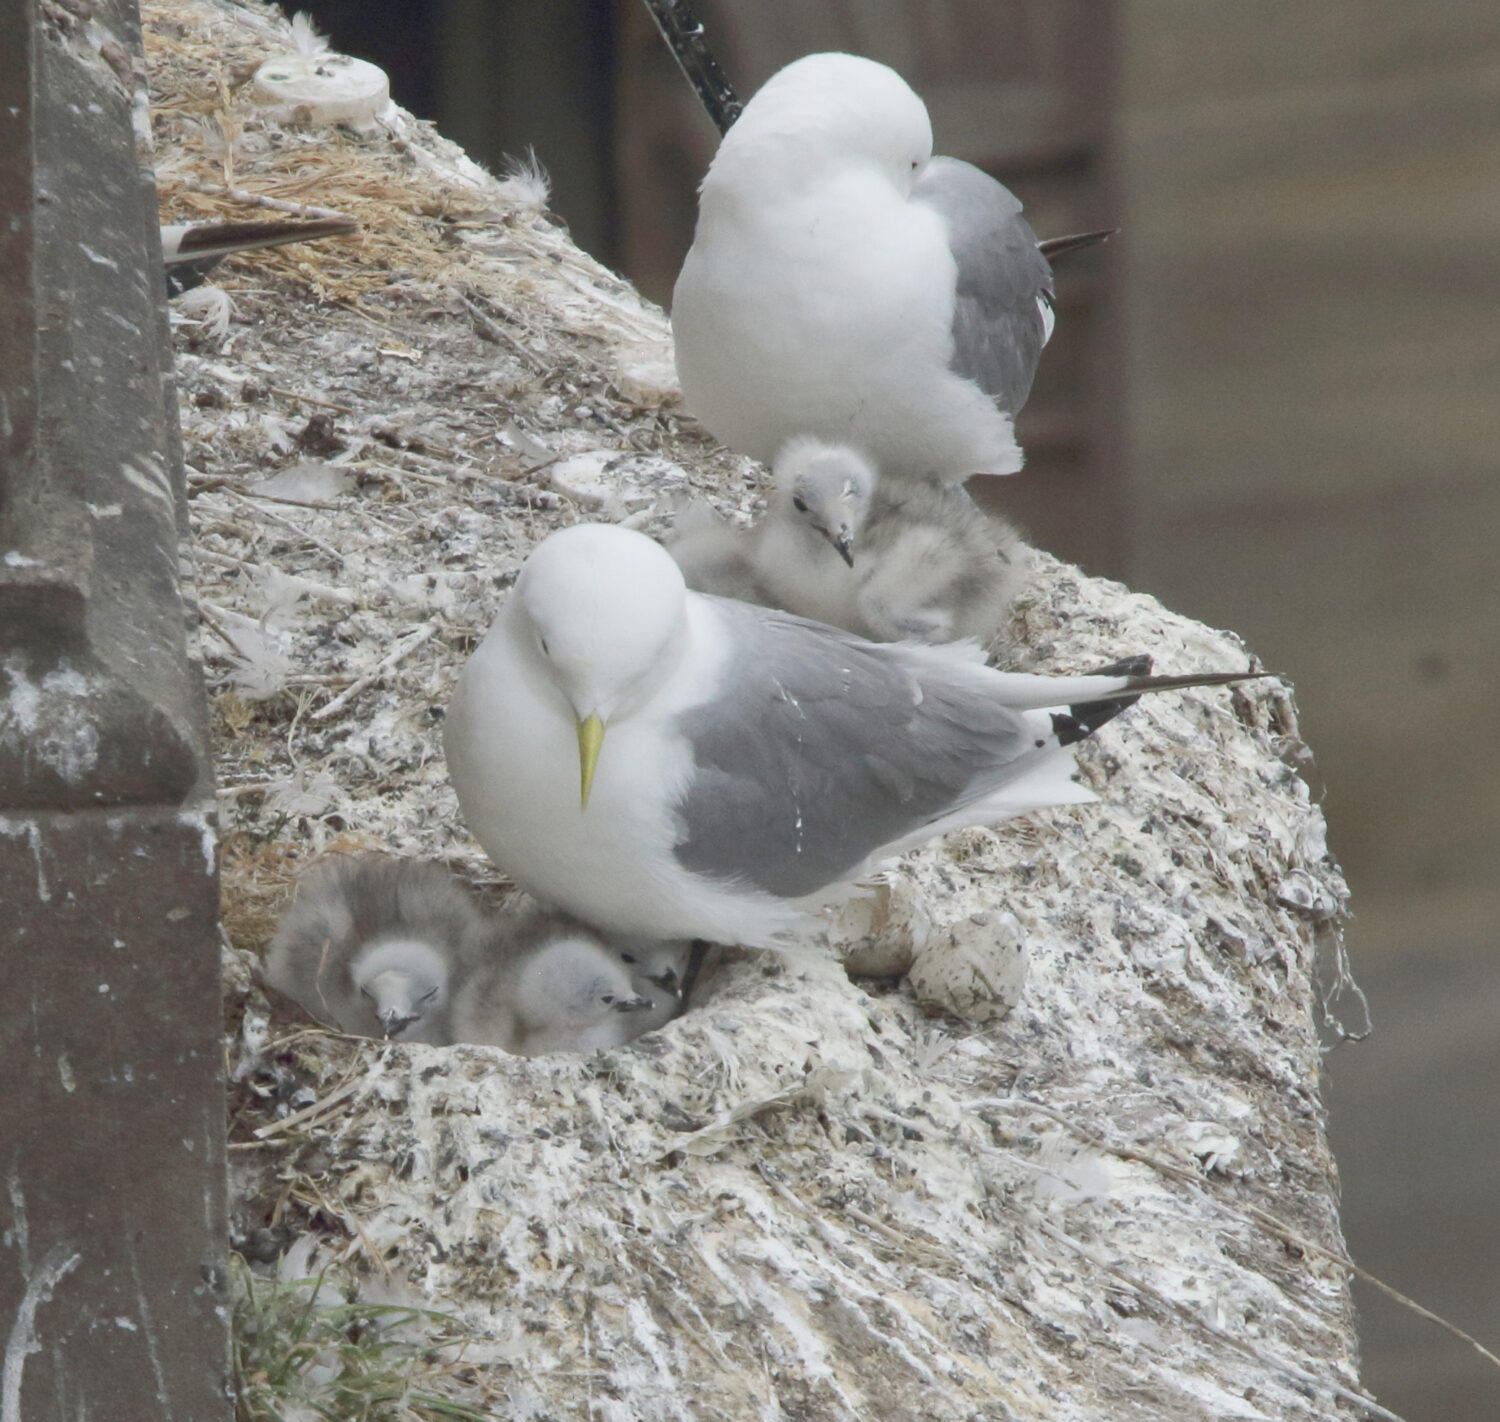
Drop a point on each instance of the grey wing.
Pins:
(1004, 282)
(822, 748)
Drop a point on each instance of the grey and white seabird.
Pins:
(845, 283)
(668, 765)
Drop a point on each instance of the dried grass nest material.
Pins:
(810, 1196)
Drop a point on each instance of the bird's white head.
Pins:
(404, 980)
(825, 113)
(573, 983)
(602, 610)
(829, 487)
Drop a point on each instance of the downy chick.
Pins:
(549, 984)
(375, 946)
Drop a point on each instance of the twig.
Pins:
(910, 1243)
(400, 650)
(197, 185)
(294, 503)
(488, 329)
(310, 400)
(210, 615)
(1171, 1305)
(298, 1118)
(250, 787)
(351, 1222)
(395, 473)
(308, 587)
(286, 523)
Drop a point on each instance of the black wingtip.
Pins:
(1137, 671)
(207, 239)
(1080, 722)
(199, 249)
(1139, 684)
(685, 37)
(1139, 665)
(696, 955)
(1083, 719)
(1054, 247)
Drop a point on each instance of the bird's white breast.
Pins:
(829, 312)
(775, 326)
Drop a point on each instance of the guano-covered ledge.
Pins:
(1006, 1146)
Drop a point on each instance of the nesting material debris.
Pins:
(806, 1195)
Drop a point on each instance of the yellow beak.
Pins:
(590, 738)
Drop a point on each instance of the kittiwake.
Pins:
(887, 559)
(670, 765)
(550, 984)
(845, 283)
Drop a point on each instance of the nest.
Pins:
(812, 1194)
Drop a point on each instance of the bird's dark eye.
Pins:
(428, 996)
(542, 643)
(608, 999)
(628, 958)
(799, 504)
(365, 992)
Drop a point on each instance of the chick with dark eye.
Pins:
(551, 984)
(374, 946)
(892, 560)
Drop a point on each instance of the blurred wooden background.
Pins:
(1274, 402)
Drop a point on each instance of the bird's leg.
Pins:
(696, 954)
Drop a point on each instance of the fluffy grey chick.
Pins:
(376, 946)
(800, 556)
(716, 557)
(550, 984)
(656, 964)
(934, 567)
(886, 559)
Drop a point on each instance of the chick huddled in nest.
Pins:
(398, 950)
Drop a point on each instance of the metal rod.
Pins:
(683, 32)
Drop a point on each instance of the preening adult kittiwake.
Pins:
(845, 283)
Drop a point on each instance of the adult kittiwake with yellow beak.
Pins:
(662, 763)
